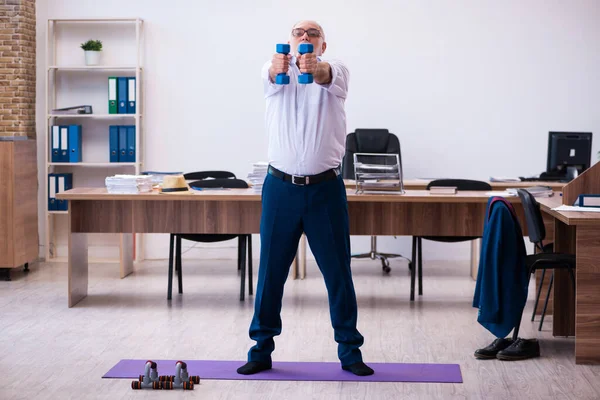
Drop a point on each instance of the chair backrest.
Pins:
(533, 217)
(368, 141)
(220, 183)
(460, 184)
(199, 175)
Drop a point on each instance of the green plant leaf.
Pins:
(93, 45)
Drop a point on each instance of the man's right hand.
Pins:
(280, 64)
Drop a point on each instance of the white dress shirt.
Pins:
(306, 123)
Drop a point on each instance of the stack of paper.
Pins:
(536, 191)
(129, 184)
(258, 175)
(504, 179)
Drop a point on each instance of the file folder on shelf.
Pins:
(130, 143)
(55, 140)
(112, 95)
(74, 143)
(52, 185)
(131, 95)
(65, 182)
(113, 143)
(64, 144)
(122, 95)
(122, 143)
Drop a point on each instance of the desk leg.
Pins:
(587, 315)
(126, 254)
(78, 267)
(563, 316)
(475, 249)
(303, 256)
(294, 270)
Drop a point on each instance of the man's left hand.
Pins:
(307, 63)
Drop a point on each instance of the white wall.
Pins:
(470, 87)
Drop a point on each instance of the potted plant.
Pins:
(92, 50)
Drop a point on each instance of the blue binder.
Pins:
(130, 143)
(55, 140)
(65, 182)
(75, 148)
(131, 95)
(64, 144)
(52, 185)
(113, 142)
(122, 95)
(122, 143)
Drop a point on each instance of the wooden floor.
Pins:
(48, 351)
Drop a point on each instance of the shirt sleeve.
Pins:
(270, 88)
(339, 79)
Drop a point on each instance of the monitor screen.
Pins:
(569, 149)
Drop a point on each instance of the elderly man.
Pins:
(304, 192)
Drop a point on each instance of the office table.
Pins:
(417, 212)
(577, 233)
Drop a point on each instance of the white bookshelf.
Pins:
(69, 82)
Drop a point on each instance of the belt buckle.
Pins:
(300, 177)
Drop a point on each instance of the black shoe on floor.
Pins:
(490, 351)
(359, 368)
(253, 367)
(521, 349)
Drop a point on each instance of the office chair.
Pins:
(201, 175)
(371, 141)
(244, 241)
(460, 184)
(546, 258)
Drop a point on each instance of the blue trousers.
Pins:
(321, 212)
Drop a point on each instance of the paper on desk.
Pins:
(565, 207)
(503, 193)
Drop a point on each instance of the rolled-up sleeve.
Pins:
(340, 75)
(270, 88)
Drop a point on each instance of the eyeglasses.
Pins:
(312, 32)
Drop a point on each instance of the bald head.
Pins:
(315, 23)
(308, 31)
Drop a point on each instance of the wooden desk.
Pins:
(421, 184)
(415, 213)
(578, 233)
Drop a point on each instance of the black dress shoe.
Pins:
(521, 349)
(490, 351)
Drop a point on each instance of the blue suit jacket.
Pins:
(502, 280)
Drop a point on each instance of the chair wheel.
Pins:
(136, 385)
(188, 385)
(167, 385)
(195, 379)
(385, 265)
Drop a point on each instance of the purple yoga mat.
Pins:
(296, 371)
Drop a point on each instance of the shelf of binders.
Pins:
(94, 67)
(113, 130)
(99, 116)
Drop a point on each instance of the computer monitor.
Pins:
(569, 154)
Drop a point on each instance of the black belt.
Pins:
(306, 179)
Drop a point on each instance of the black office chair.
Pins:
(379, 141)
(244, 241)
(417, 246)
(546, 258)
(201, 175)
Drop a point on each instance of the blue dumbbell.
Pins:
(304, 48)
(282, 79)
